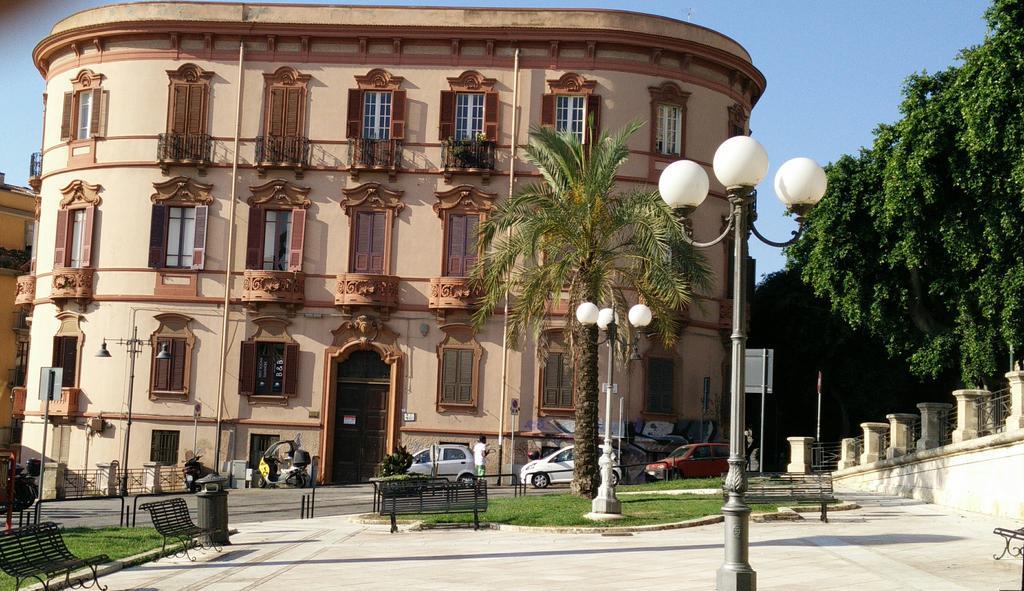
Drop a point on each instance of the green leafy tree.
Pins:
(919, 238)
(576, 233)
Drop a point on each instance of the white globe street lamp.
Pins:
(606, 505)
(740, 163)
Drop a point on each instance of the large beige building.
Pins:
(370, 144)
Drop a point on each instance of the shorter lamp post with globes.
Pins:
(134, 345)
(605, 505)
(740, 163)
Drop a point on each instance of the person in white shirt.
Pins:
(480, 451)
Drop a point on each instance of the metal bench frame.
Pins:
(39, 552)
(411, 497)
(172, 521)
(798, 488)
(1009, 535)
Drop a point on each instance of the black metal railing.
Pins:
(947, 424)
(825, 456)
(278, 149)
(35, 165)
(992, 412)
(182, 147)
(467, 154)
(82, 483)
(368, 153)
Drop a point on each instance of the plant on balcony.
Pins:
(469, 152)
(13, 258)
(576, 230)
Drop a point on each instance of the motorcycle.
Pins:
(284, 464)
(25, 491)
(193, 471)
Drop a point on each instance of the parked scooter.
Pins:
(25, 491)
(193, 471)
(284, 464)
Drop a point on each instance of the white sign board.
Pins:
(755, 374)
(50, 380)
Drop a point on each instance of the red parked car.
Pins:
(695, 459)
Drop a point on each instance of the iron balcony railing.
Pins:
(279, 149)
(992, 412)
(182, 147)
(467, 155)
(35, 165)
(372, 153)
(825, 456)
(947, 425)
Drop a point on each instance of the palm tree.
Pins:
(575, 233)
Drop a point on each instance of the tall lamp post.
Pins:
(134, 345)
(606, 503)
(740, 163)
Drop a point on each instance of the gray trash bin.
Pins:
(212, 503)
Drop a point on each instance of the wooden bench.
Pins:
(39, 552)
(172, 521)
(411, 497)
(1009, 536)
(791, 488)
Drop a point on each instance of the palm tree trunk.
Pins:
(586, 478)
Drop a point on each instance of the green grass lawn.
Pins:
(115, 542)
(568, 510)
(685, 483)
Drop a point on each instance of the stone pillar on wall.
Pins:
(901, 434)
(106, 478)
(151, 477)
(873, 442)
(54, 475)
(799, 455)
(932, 414)
(847, 454)
(1015, 420)
(967, 413)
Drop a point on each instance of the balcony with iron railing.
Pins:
(366, 154)
(468, 156)
(185, 149)
(993, 411)
(35, 170)
(277, 151)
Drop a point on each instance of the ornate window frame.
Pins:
(738, 118)
(677, 372)
(463, 199)
(276, 195)
(172, 326)
(572, 83)
(459, 337)
(552, 340)
(71, 326)
(669, 94)
(83, 151)
(190, 76)
(372, 197)
(269, 329)
(76, 195)
(285, 78)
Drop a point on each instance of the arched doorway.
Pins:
(362, 389)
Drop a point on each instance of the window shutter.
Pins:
(291, 369)
(194, 122)
(594, 115)
(158, 236)
(355, 113)
(254, 241)
(90, 216)
(552, 374)
(565, 383)
(465, 376)
(179, 108)
(275, 123)
(162, 367)
(364, 225)
(398, 115)
(292, 111)
(471, 250)
(177, 361)
(449, 375)
(65, 116)
(547, 110)
(660, 386)
(69, 360)
(446, 125)
(492, 114)
(456, 245)
(247, 369)
(377, 243)
(297, 239)
(199, 239)
(98, 120)
(60, 248)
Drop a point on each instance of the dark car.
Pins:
(695, 459)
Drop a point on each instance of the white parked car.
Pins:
(455, 462)
(556, 467)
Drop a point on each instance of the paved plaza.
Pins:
(889, 544)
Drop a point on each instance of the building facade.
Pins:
(17, 231)
(370, 145)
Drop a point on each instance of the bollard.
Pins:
(212, 504)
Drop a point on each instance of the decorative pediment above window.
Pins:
(367, 332)
(373, 195)
(737, 120)
(572, 83)
(86, 79)
(378, 79)
(465, 198)
(287, 76)
(279, 192)
(80, 192)
(472, 81)
(182, 190)
(669, 93)
(189, 74)
(271, 328)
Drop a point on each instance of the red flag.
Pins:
(819, 381)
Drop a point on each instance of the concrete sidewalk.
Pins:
(890, 544)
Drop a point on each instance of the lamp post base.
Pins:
(735, 580)
(605, 503)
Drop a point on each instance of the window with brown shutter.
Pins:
(170, 378)
(269, 368)
(660, 384)
(457, 376)
(65, 356)
(557, 382)
(285, 103)
(84, 114)
(571, 105)
(169, 374)
(369, 242)
(462, 250)
(188, 101)
(73, 237)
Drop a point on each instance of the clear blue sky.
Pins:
(834, 69)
